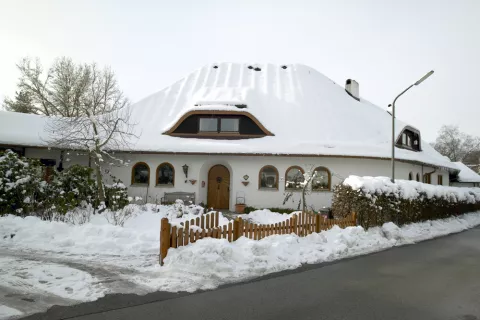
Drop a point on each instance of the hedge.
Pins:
(377, 200)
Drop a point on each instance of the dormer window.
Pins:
(218, 125)
(409, 139)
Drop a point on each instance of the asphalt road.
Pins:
(437, 279)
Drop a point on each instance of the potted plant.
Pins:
(240, 202)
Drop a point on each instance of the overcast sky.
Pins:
(384, 45)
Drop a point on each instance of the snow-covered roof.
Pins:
(466, 174)
(307, 112)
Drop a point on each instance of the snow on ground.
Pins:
(79, 262)
(266, 216)
(53, 278)
(7, 312)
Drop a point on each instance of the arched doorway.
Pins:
(218, 187)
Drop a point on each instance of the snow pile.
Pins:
(139, 236)
(405, 189)
(266, 216)
(211, 262)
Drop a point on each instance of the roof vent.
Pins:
(250, 67)
(284, 67)
(257, 69)
(353, 89)
(215, 67)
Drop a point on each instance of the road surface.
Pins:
(437, 279)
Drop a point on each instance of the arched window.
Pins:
(165, 174)
(418, 177)
(140, 173)
(410, 176)
(322, 180)
(294, 178)
(268, 178)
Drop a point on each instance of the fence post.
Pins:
(317, 223)
(236, 228)
(164, 239)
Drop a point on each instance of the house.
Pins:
(466, 177)
(231, 130)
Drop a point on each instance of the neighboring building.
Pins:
(466, 177)
(250, 130)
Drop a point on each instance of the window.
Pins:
(229, 125)
(440, 180)
(268, 178)
(294, 178)
(208, 125)
(140, 173)
(410, 176)
(427, 178)
(418, 177)
(409, 139)
(322, 180)
(165, 174)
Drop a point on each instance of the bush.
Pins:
(21, 184)
(377, 200)
(23, 190)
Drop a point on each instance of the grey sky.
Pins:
(384, 45)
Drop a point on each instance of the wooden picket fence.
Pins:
(207, 226)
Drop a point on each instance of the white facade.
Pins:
(239, 166)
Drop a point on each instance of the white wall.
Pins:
(250, 165)
(199, 165)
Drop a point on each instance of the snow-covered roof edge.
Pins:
(466, 174)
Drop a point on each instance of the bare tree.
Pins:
(454, 144)
(59, 91)
(306, 188)
(99, 123)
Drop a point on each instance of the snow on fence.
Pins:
(206, 226)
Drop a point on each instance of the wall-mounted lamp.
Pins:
(185, 170)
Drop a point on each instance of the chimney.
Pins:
(352, 88)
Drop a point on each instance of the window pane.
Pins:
(229, 125)
(140, 174)
(321, 180)
(268, 178)
(404, 139)
(208, 124)
(294, 179)
(165, 174)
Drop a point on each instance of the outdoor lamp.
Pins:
(185, 170)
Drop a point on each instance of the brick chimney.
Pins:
(353, 89)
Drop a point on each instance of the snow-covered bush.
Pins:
(69, 189)
(21, 184)
(377, 200)
(116, 196)
(178, 209)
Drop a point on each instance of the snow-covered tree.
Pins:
(454, 144)
(100, 124)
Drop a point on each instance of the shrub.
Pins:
(377, 200)
(21, 184)
(23, 190)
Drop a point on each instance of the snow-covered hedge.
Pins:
(24, 191)
(377, 200)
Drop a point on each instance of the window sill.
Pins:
(164, 186)
(139, 185)
(268, 189)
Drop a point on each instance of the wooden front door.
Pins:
(218, 188)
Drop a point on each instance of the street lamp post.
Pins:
(393, 120)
